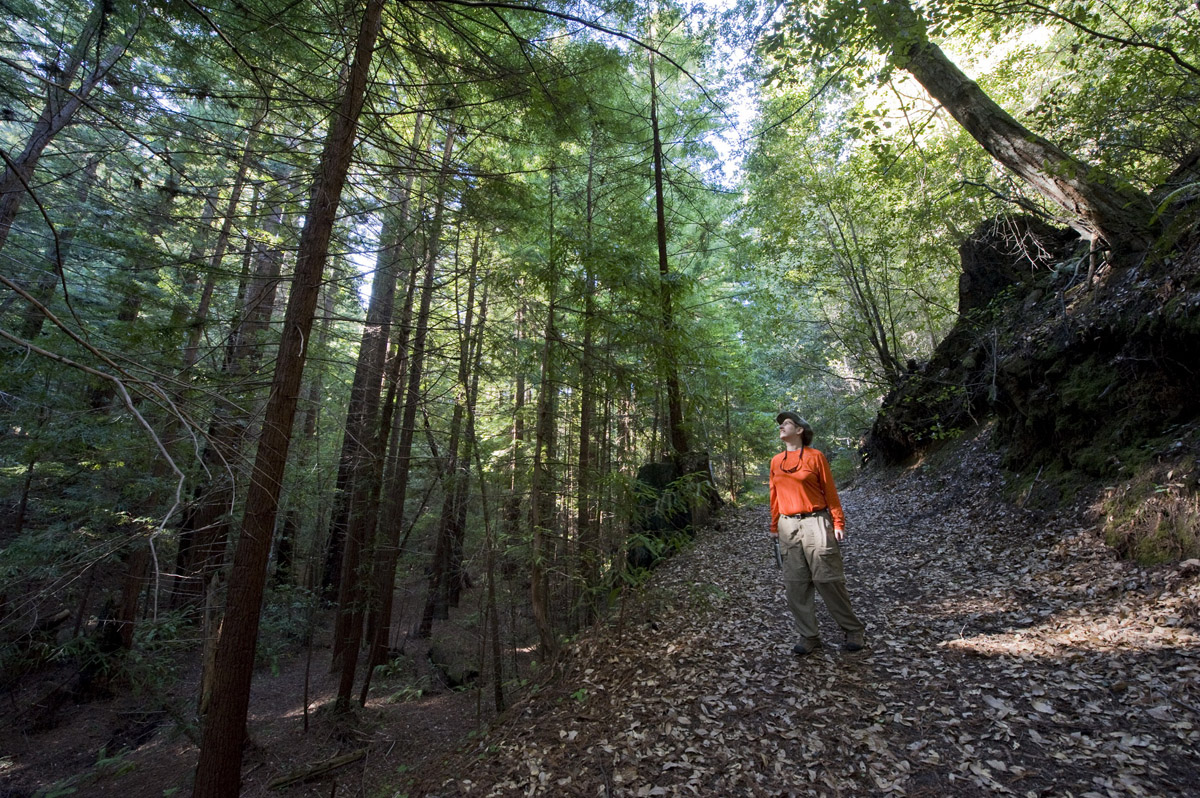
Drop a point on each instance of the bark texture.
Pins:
(218, 772)
(677, 433)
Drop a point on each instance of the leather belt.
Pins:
(806, 515)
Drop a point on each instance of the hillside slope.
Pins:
(1088, 370)
(1008, 651)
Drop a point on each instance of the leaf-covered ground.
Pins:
(1008, 653)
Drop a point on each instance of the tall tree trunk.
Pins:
(285, 551)
(191, 352)
(587, 529)
(357, 497)
(863, 294)
(56, 253)
(205, 532)
(135, 283)
(437, 600)
(189, 271)
(388, 434)
(458, 574)
(670, 369)
(312, 402)
(387, 550)
(606, 465)
(218, 772)
(492, 609)
(363, 412)
(136, 573)
(446, 562)
(729, 449)
(62, 103)
(1099, 205)
(541, 497)
(511, 511)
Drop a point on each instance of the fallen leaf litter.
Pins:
(1006, 655)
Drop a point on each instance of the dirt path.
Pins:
(1006, 655)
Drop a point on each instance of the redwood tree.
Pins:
(218, 772)
(1102, 205)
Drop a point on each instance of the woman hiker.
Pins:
(808, 523)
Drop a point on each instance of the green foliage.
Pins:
(409, 692)
(400, 681)
(1154, 522)
(843, 466)
(1114, 86)
(106, 767)
(809, 286)
(681, 495)
(861, 186)
(706, 596)
(287, 622)
(152, 664)
(60, 788)
(657, 547)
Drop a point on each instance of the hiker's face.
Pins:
(789, 430)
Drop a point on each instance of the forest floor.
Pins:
(1008, 652)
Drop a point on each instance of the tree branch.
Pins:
(596, 26)
(129, 405)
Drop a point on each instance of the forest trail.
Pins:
(1008, 653)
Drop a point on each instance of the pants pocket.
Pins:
(789, 535)
(827, 559)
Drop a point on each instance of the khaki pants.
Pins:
(812, 558)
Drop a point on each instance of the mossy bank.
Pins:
(1088, 369)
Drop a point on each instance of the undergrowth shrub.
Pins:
(1153, 522)
(287, 622)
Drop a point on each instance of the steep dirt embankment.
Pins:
(1008, 652)
(1088, 369)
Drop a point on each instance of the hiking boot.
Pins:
(806, 647)
(854, 641)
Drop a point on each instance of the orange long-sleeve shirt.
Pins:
(806, 485)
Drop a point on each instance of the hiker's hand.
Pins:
(839, 533)
(774, 533)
